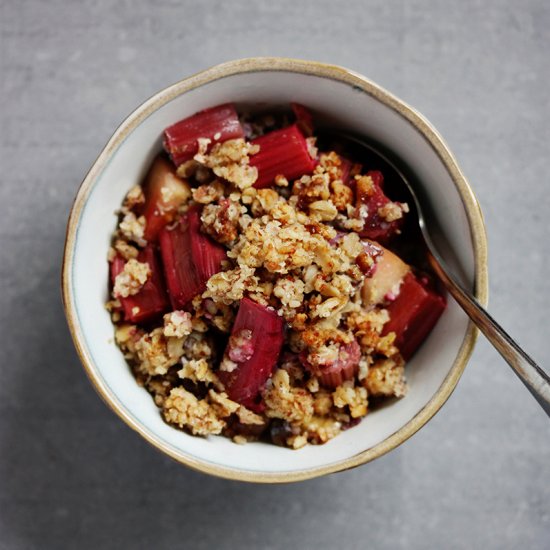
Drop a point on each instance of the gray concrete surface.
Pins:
(72, 475)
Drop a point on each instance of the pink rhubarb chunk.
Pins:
(189, 257)
(282, 152)
(304, 118)
(413, 314)
(254, 346)
(218, 124)
(343, 368)
(151, 301)
(376, 227)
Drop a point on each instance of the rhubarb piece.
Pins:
(252, 352)
(345, 169)
(151, 301)
(343, 368)
(377, 178)
(189, 257)
(218, 124)
(413, 314)
(282, 152)
(304, 119)
(164, 193)
(373, 201)
(117, 266)
(384, 283)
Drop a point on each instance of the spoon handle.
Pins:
(536, 380)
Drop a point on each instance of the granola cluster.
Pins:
(292, 247)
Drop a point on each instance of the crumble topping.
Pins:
(221, 220)
(127, 251)
(133, 198)
(391, 211)
(230, 160)
(131, 279)
(198, 370)
(387, 377)
(156, 353)
(293, 247)
(229, 286)
(185, 410)
(178, 324)
(353, 397)
(293, 404)
(133, 228)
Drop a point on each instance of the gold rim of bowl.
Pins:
(471, 206)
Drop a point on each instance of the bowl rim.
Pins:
(314, 68)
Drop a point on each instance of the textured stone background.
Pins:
(71, 474)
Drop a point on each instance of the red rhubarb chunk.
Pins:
(345, 169)
(304, 119)
(164, 193)
(282, 152)
(343, 368)
(189, 257)
(218, 124)
(151, 301)
(376, 227)
(413, 314)
(377, 178)
(254, 346)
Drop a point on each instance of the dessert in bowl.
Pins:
(336, 98)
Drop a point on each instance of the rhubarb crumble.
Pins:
(257, 288)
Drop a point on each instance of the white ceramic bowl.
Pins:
(347, 100)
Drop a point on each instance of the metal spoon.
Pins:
(536, 380)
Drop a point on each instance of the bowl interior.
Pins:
(123, 165)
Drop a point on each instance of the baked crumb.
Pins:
(134, 197)
(131, 279)
(283, 401)
(391, 211)
(230, 160)
(353, 397)
(133, 228)
(386, 377)
(185, 410)
(155, 353)
(178, 324)
(229, 286)
(198, 370)
(127, 251)
(221, 220)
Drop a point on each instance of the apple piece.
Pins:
(385, 282)
(164, 193)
